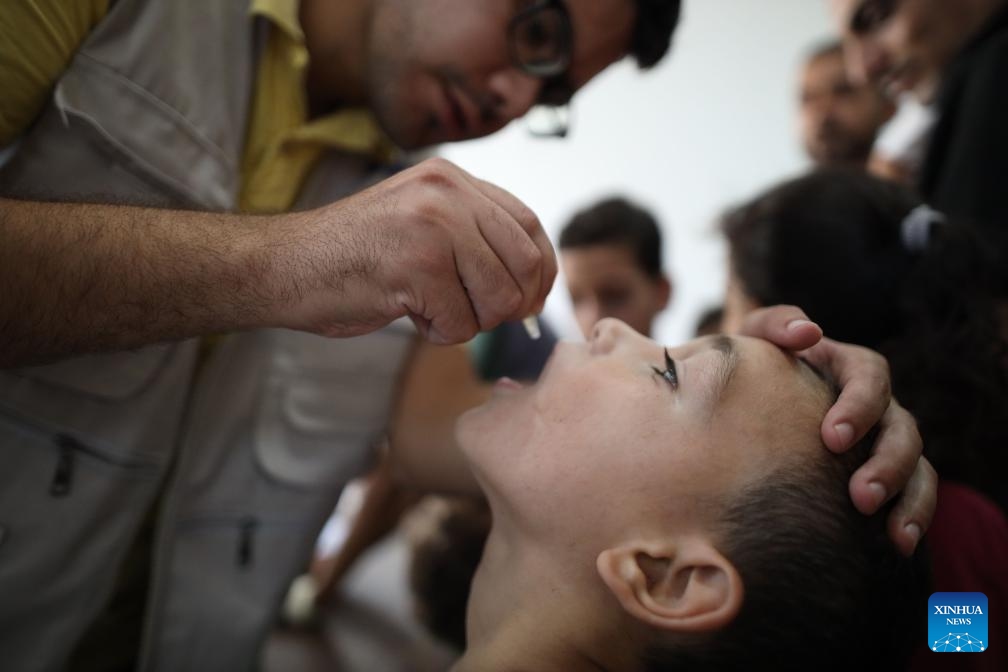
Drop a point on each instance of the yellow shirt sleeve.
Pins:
(38, 38)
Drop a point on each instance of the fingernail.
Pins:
(845, 431)
(531, 324)
(913, 530)
(797, 324)
(878, 494)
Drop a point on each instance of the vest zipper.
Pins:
(246, 541)
(63, 475)
(68, 447)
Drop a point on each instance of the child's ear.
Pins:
(684, 585)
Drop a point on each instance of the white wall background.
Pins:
(711, 125)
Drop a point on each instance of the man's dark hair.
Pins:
(652, 35)
(824, 588)
(617, 222)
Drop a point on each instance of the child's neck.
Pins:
(519, 618)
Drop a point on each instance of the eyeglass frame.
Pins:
(556, 91)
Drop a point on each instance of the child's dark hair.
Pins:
(824, 588)
(834, 242)
(617, 222)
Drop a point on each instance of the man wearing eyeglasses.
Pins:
(198, 193)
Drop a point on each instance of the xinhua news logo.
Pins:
(957, 623)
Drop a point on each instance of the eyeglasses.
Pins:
(542, 43)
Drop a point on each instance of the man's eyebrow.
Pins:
(726, 364)
(856, 20)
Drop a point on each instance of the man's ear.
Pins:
(684, 585)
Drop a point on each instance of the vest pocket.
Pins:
(309, 434)
(230, 574)
(112, 377)
(68, 512)
(325, 404)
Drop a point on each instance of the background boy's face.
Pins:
(441, 70)
(607, 281)
(603, 447)
(838, 118)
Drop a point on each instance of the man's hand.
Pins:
(896, 464)
(456, 254)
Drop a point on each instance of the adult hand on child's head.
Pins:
(896, 465)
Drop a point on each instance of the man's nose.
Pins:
(866, 61)
(819, 107)
(512, 93)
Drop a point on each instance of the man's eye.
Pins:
(871, 15)
(537, 35)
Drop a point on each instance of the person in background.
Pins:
(899, 151)
(611, 255)
(953, 57)
(839, 118)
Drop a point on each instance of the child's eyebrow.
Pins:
(726, 365)
(821, 377)
(814, 369)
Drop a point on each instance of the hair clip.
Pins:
(915, 230)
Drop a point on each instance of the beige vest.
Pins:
(249, 462)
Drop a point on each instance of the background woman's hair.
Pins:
(832, 243)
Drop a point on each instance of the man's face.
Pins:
(442, 70)
(838, 118)
(901, 45)
(606, 281)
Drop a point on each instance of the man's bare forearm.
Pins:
(454, 253)
(88, 278)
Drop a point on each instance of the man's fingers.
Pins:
(914, 510)
(530, 224)
(892, 462)
(863, 377)
(476, 255)
(448, 317)
(518, 255)
(491, 291)
(895, 465)
(787, 327)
